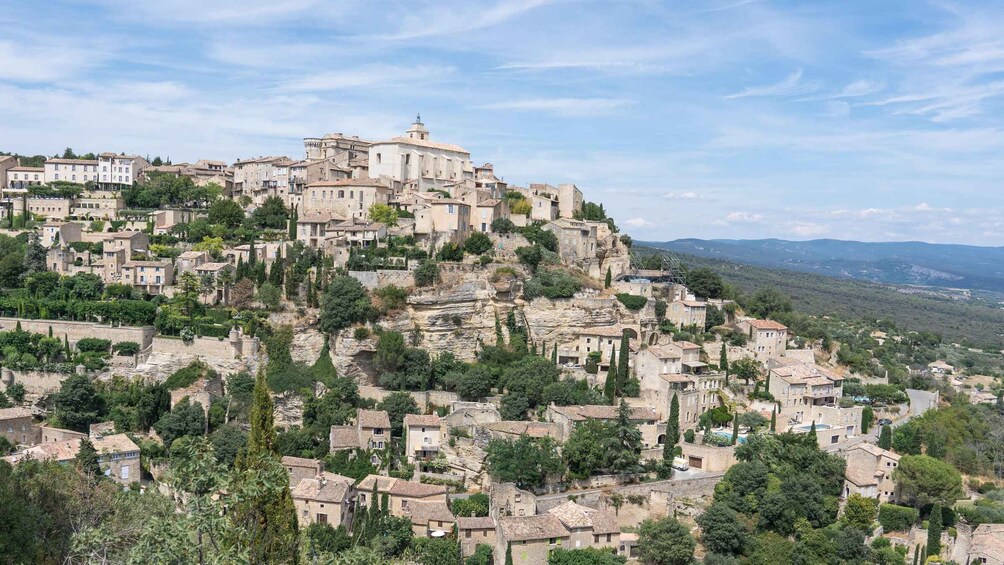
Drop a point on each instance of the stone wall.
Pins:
(381, 278)
(76, 331)
(200, 347)
(36, 383)
(424, 398)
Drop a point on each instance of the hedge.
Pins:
(897, 518)
(632, 301)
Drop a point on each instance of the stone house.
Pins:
(987, 546)
(506, 499)
(356, 233)
(869, 472)
(576, 239)
(118, 457)
(347, 198)
(262, 177)
(402, 495)
(118, 171)
(486, 212)
(797, 386)
(423, 433)
(431, 519)
(312, 227)
(685, 313)
(570, 416)
(474, 531)
(530, 539)
(20, 178)
(300, 468)
(371, 431)
(16, 425)
(325, 498)
(54, 233)
(767, 338)
(587, 527)
(599, 338)
(445, 217)
(149, 276)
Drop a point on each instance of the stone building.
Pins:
(869, 472)
(16, 424)
(423, 433)
(325, 498)
(418, 161)
(767, 338)
(402, 495)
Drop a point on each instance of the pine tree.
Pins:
(622, 363)
(610, 386)
(885, 437)
(264, 516)
(773, 419)
(934, 531)
(723, 362)
(735, 429)
(608, 279)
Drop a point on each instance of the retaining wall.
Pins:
(423, 398)
(76, 331)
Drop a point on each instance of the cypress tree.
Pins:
(50, 331)
(264, 517)
(259, 273)
(67, 352)
(292, 223)
(934, 531)
(275, 274)
(610, 386)
(241, 271)
(672, 430)
(735, 428)
(554, 354)
(87, 459)
(885, 437)
(916, 554)
(773, 419)
(867, 415)
(499, 337)
(622, 363)
(608, 279)
(923, 554)
(812, 432)
(723, 362)
(508, 554)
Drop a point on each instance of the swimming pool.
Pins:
(728, 436)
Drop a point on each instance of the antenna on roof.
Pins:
(418, 118)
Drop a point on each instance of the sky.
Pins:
(872, 121)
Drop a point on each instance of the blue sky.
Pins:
(876, 121)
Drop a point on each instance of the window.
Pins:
(322, 518)
(379, 159)
(449, 208)
(124, 472)
(467, 534)
(341, 194)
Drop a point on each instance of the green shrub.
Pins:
(897, 518)
(93, 345)
(361, 333)
(552, 284)
(632, 301)
(427, 274)
(126, 348)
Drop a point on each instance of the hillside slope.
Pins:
(955, 266)
(978, 320)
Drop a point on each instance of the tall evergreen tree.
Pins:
(773, 419)
(87, 459)
(885, 437)
(293, 218)
(242, 271)
(277, 272)
(916, 554)
(934, 531)
(608, 279)
(723, 362)
(610, 386)
(554, 354)
(263, 513)
(508, 554)
(812, 432)
(672, 430)
(622, 363)
(735, 428)
(499, 336)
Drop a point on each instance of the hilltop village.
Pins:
(439, 367)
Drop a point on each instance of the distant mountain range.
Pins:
(902, 263)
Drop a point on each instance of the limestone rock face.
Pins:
(307, 344)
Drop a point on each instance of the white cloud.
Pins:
(368, 76)
(688, 195)
(438, 19)
(744, 217)
(563, 106)
(808, 229)
(638, 223)
(790, 86)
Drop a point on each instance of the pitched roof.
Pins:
(475, 523)
(118, 443)
(72, 161)
(767, 325)
(575, 516)
(16, 412)
(988, 541)
(329, 487)
(64, 450)
(603, 412)
(290, 461)
(523, 528)
(423, 512)
(369, 181)
(401, 487)
(343, 437)
(664, 351)
(422, 420)
(372, 418)
(805, 373)
(532, 429)
(425, 143)
(686, 345)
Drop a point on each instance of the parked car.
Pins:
(680, 464)
(884, 422)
